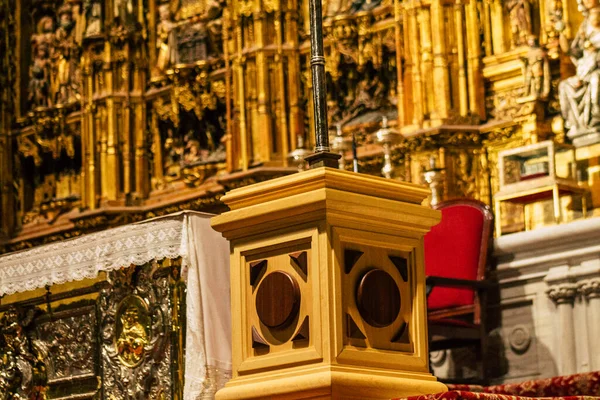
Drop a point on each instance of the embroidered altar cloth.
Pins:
(205, 267)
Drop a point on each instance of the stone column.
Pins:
(563, 295)
(591, 290)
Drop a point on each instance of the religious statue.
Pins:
(536, 71)
(78, 21)
(93, 16)
(519, 12)
(65, 84)
(40, 70)
(39, 77)
(369, 95)
(165, 38)
(214, 26)
(193, 152)
(578, 95)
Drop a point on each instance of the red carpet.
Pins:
(573, 387)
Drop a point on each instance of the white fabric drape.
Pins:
(205, 267)
(208, 320)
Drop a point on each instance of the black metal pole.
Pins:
(322, 157)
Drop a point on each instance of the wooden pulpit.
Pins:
(328, 287)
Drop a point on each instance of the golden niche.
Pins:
(132, 330)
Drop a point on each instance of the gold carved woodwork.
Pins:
(165, 100)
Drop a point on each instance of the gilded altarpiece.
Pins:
(119, 339)
(119, 110)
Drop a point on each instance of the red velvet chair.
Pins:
(455, 264)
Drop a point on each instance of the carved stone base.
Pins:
(581, 139)
(327, 283)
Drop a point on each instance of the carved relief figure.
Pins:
(519, 12)
(578, 95)
(536, 71)
(55, 75)
(133, 337)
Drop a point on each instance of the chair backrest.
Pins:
(457, 248)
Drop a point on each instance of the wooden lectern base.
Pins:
(331, 383)
(328, 288)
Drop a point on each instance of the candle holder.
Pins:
(434, 177)
(297, 156)
(340, 145)
(387, 137)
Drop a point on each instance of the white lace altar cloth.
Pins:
(205, 266)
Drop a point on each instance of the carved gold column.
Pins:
(232, 154)
(126, 132)
(498, 34)
(328, 288)
(281, 84)
(102, 129)
(264, 147)
(252, 91)
(85, 128)
(429, 91)
(142, 176)
(399, 25)
(441, 79)
(474, 77)
(110, 171)
(239, 85)
(415, 52)
(244, 137)
(459, 20)
(158, 163)
(90, 177)
(293, 76)
(486, 25)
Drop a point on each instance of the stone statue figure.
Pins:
(93, 16)
(579, 94)
(166, 41)
(519, 12)
(536, 71)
